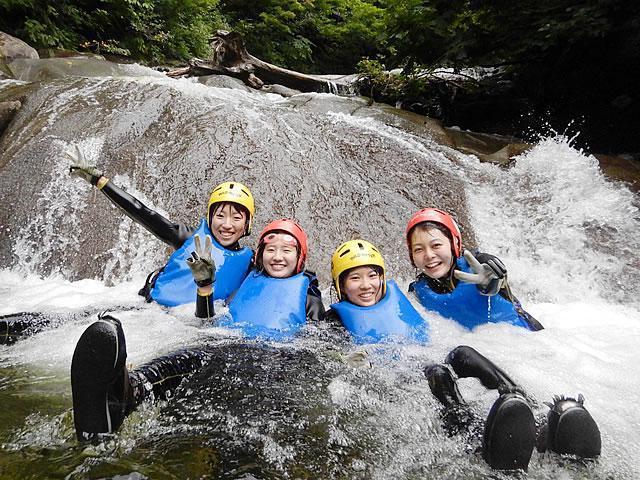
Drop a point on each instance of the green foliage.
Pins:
(473, 32)
(309, 35)
(152, 30)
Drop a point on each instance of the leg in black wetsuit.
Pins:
(105, 392)
(509, 432)
(15, 326)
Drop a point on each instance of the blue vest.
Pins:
(466, 305)
(392, 317)
(174, 284)
(268, 307)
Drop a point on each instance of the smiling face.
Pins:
(431, 251)
(228, 223)
(280, 255)
(362, 286)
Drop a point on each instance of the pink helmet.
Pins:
(292, 228)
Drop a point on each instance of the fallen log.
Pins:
(230, 57)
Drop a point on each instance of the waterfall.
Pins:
(567, 234)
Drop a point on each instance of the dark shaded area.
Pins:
(568, 66)
(241, 386)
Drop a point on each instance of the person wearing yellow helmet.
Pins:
(274, 302)
(372, 309)
(230, 212)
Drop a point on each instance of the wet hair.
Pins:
(235, 208)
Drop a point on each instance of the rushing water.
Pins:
(567, 234)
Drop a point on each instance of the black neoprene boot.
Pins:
(99, 380)
(509, 434)
(570, 429)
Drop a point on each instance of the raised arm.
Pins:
(173, 234)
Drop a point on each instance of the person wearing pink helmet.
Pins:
(278, 283)
(274, 301)
(468, 287)
(471, 288)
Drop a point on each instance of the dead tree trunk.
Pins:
(230, 57)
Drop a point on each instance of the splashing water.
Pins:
(567, 234)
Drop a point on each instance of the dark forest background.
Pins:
(567, 65)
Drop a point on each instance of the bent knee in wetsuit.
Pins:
(163, 375)
(467, 362)
(443, 385)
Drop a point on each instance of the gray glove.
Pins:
(201, 264)
(80, 165)
(489, 276)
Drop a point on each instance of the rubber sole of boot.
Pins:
(510, 434)
(577, 433)
(98, 360)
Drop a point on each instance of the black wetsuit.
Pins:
(449, 283)
(583, 438)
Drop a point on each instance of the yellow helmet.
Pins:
(351, 254)
(233, 192)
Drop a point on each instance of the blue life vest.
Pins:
(466, 305)
(393, 317)
(268, 307)
(174, 284)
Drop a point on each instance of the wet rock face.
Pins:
(12, 48)
(7, 112)
(223, 81)
(341, 168)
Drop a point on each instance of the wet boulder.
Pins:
(280, 90)
(7, 112)
(12, 48)
(223, 81)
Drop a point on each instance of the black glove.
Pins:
(201, 264)
(489, 276)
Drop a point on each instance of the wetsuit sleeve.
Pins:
(506, 293)
(204, 306)
(173, 234)
(314, 306)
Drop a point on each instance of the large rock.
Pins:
(12, 48)
(7, 112)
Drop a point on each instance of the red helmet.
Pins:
(437, 216)
(292, 228)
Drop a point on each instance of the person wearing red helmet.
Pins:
(273, 302)
(471, 288)
(278, 281)
(468, 287)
